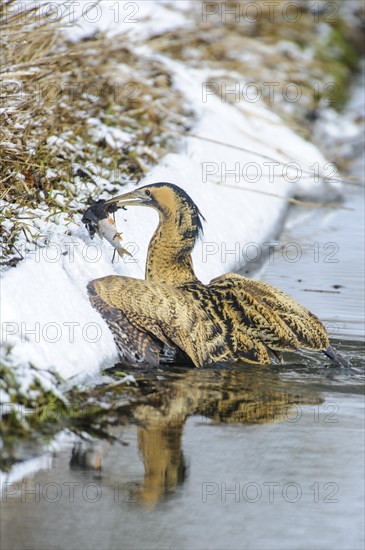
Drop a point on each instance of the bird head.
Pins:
(171, 202)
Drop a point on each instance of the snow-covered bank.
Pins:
(45, 311)
(239, 170)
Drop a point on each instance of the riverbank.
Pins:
(199, 139)
(213, 454)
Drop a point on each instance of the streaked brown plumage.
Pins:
(172, 315)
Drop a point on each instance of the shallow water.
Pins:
(227, 458)
(258, 458)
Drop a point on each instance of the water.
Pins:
(222, 459)
(251, 458)
(226, 458)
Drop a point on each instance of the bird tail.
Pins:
(336, 357)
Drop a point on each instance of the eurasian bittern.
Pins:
(171, 315)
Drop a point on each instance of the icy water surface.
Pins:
(248, 457)
(243, 458)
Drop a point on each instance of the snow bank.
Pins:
(45, 312)
(141, 18)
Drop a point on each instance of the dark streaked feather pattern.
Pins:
(232, 319)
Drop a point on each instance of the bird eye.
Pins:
(148, 193)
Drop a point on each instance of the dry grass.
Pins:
(55, 97)
(316, 53)
(58, 100)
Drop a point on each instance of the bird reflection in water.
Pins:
(221, 396)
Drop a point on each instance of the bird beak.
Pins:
(128, 199)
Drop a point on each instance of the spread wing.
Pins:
(269, 315)
(230, 338)
(231, 319)
(145, 317)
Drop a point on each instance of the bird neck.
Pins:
(169, 258)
